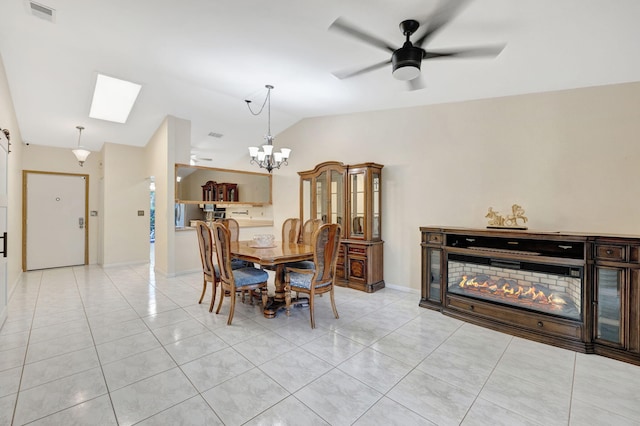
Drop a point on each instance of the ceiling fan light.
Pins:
(406, 73)
(406, 62)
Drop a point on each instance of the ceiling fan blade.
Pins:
(347, 28)
(417, 83)
(472, 52)
(445, 13)
(352, 73)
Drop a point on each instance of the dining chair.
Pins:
(291, 230)
(309, 227)
(326, 243)
(210, 271)
(234, 280)
(234, 230)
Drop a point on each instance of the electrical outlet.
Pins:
(140, 212)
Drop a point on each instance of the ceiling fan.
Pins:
(406, 60)
(196, 158)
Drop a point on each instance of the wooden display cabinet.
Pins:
(214, 191)
(349, 195)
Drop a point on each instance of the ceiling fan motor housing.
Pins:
(406, 62)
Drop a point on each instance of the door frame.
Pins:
(25, 173)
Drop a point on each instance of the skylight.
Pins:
(113, 99)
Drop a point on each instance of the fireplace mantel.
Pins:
(578, 291)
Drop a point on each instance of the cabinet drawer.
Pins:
(611, 252)
(358, 250)
(434, 238)
(515, 317)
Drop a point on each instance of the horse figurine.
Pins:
(511, 221)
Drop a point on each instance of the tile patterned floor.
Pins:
(121, 346)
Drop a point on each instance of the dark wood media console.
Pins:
(572, 290)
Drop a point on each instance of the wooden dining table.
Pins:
(274, 257)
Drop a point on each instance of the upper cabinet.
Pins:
(197, 184)
(349, 195)
(363, 190)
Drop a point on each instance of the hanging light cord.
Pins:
(266, 99)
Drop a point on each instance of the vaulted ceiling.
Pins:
(200, 59)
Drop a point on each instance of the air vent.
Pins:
(215, 135)
(42, 11)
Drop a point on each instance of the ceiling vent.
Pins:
(215, 135)
(42, 11)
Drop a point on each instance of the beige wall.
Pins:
(570, 158)
(59, 160)
(126, 191)
(169, 142)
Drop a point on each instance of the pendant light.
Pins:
(267, 159)
(80, 153)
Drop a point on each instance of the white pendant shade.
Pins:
(80, 153)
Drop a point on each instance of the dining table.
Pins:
(273, 257)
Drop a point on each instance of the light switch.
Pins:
(94, 213)
(140, 212)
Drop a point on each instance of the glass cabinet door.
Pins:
(322, 198)
(306, 203)
(375, 232)
(434, 277)
(609, 294)
(357, 199)
(337, 197)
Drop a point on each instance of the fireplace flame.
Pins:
(510, 289)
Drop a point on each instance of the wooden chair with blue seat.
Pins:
(320, 279)
(291, 230)
(210, 271)
(234, 280)
(234, 229)
(306, 236)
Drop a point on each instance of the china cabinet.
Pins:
(214, 191)
(349, 195)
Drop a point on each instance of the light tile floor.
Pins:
(94, 346)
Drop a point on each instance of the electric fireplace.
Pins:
(578, 291)
(544, 288)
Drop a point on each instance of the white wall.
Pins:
(125, 192)
(569, 158)
(14, 194)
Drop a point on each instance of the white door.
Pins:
(56, 220)
(4, 162)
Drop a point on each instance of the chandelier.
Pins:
(80, 153)
(267, 159)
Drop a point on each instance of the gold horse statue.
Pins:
(511, 221)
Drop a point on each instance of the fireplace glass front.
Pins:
(547, 288)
